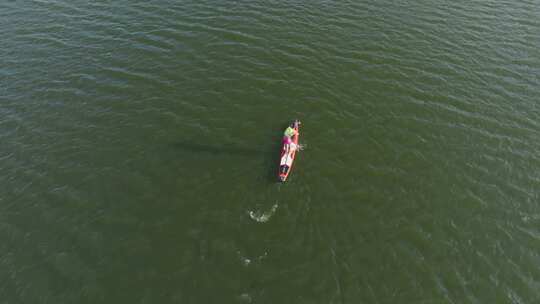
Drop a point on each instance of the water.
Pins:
(139, 142)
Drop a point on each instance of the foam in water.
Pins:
(263, 217)
(247, 261)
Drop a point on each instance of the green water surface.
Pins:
(139, 142)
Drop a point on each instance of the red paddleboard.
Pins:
(288, 154)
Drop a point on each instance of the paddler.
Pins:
(287, 138)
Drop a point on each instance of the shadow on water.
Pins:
(268, 153)
(224, 149)
(272, 161)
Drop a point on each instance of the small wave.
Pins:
(263, 217)
(246, 261)
(245, 298)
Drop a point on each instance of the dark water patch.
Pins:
(227, 149)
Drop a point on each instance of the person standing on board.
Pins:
(287, 138)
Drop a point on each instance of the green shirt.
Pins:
(290, 132)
